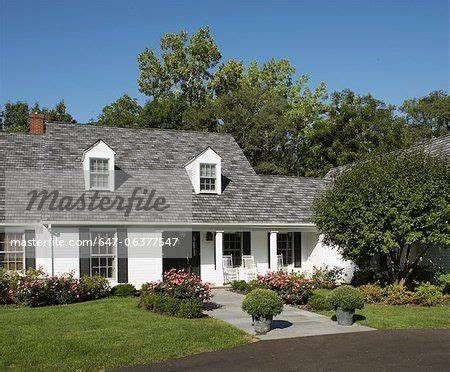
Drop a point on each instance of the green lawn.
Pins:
(104, 333)
(401, 317)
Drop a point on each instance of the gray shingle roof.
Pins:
(152, 159)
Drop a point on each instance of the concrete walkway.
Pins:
(292, 322)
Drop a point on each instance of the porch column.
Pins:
(219, 253)
(273, 250)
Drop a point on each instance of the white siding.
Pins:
(316, 253)
(144, 260)
(65, 250)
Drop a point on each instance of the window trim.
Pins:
(212, 191)
(108, 174)
(3, 237)
(116, 263)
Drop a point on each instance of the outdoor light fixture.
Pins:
(209, 236)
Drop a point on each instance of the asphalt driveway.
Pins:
(397, 350)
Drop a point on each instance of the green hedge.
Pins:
(167, 305)
(124, 290)
(262, 302)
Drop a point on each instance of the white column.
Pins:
(273, 250)
(219, 253)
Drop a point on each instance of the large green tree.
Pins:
(395, 206)
(428, 115)
(184, 68)
(123, 112)
(355, 126)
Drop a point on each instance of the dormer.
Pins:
(205, 172)
(98, 167)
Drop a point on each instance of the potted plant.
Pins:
(262, 305)
(345, 300)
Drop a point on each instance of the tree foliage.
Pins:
(124, 112)
(394, 206)
(429, 115)
(15, 116)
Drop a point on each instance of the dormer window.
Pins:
(98, 167)
(205, 172)
(99, 174)
(207, 177)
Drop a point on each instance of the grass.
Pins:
(105, 333)
(403, 317)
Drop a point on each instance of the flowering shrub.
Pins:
(35, 288)
(46, 290)
(180, 284)
(293, 288)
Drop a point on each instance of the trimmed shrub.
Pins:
(320, 300)
(93, 287)
(124, 290)
(324, 277)
(293, 288)
(241, 286)
(166, 305)
(262, 303)
(397, 294)
(444, 282)
(372, 293)
(427, 295)
(346, 297)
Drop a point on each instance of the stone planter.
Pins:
(261, 324)
(344, 317)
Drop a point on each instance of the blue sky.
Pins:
(85, 51)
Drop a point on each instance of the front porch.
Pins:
(241, 254)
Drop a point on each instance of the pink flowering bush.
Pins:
(293, 288)
(180, 284)
(35, 288)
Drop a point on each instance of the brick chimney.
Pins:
(37, 125)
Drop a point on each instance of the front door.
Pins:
(183, 255)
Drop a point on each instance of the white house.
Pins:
(130, 204)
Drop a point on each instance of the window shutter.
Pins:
(268, 248)
(30, 250)
(297, 249)
(122, 256)
(246, 243)
(85, 251)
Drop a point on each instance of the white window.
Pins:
(103, 253)
(99, 174)
(208, 177)
(12, 252)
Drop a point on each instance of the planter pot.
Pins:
(344, 317)
(261, 324)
